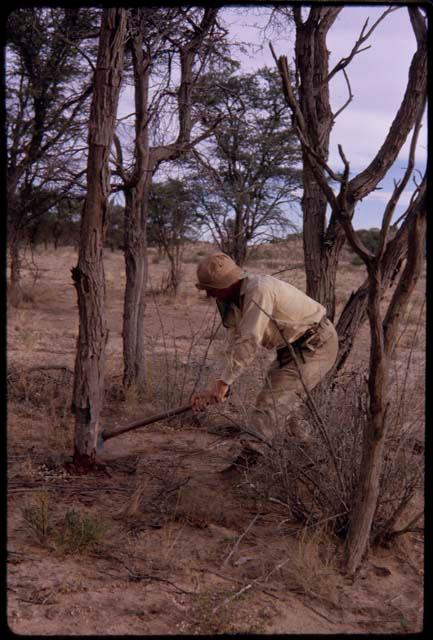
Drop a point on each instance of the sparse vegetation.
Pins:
(80, 532)
(173, 519)
(73, 532)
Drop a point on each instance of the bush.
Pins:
(37, 516)
(315, 479)
(370, 237)
(357, 261)
(79, 532)
(74, 532)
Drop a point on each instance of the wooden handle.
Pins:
(106, 435)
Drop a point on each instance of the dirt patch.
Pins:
(159, 542)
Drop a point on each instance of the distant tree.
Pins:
(171, 220)
(247, 174)
(114, 234)
(47, 87)
(369, 237)
(59, 225)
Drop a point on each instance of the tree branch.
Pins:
(348, 101)
(404, 120)
(409, 277)
(363, 36)
(398, 190)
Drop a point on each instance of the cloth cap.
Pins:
(218, 271)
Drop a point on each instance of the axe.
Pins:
(142, 422)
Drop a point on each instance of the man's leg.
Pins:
(281, 397)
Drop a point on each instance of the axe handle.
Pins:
(106, 435)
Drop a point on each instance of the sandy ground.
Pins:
(184, 551)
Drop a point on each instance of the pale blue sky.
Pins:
(377, 76)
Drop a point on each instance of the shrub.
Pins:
(315, 479)
(370, 237)
(37, 516)
(79, 532)
(73, 532)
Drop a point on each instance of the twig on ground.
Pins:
(249, 586)
(319, 613)
(48, 367)
(136, 577)
(232, 579)
(236, 545)
(35, 486)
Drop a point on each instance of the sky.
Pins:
(378, 78)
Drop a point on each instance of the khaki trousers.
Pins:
(284, 392)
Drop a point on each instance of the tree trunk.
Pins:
(88, 275)
(136, 264)
(354, 313)
(15, 291)
(239, 250)
(383, 339)
(374, 436)
(138, 183)
(314, 217)
(321, 258)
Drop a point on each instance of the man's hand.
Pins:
(213, 395)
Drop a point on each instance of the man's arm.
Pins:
(252, 326)
(242, 348)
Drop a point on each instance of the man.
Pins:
(263, 311)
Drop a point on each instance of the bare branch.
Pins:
(411, 271)
(79, 50)
(404, 120)
(398, 189)
(348, 101)
(363, 36)
(354, 240)
(302, 132)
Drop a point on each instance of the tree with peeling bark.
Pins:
(381, 265)
(307, 93)
(158, 38)
(88, 275)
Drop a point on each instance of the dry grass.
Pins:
(315, 481)
(175, 513)
(45, 393)
(71, 532)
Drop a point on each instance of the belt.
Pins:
(283, 352)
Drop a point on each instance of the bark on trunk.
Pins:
(136, 264)
(15, 290)
(88, 275)
(138, 183)
(135, 235)
(374, 436)
(383, 338)
(321, 259)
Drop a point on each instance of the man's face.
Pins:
(225, 295)
(219, 294)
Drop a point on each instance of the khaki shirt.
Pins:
(249, 327)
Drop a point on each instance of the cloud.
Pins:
(362, 131)
(385, 196)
